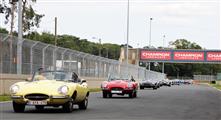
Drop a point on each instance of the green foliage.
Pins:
(184, 44)
(111, 51)
(30, 18)
(2, 30)
(188, 69)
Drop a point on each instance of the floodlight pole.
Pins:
(163, 48)
(150, 39)
(128, 16)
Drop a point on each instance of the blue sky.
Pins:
(195, 20)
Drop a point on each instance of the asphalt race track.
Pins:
(185, 102)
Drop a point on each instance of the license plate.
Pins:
(114, 91)
(37, 102)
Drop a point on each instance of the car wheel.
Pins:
(135, 94)
(141, 87)
(131, 95)
(18, 107)
(39, 107)
(83, 105)
(104, 95)
(68, 107)
(110, 95)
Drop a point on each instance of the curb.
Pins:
(214, 87)
(5, 102)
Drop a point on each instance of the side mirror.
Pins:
(83, 81)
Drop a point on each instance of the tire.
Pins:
(83, 105)
(104, 95)
(68, 107)
(135, 94)
(18, 108)
(39, 107)
(110, 95)
(131, 95)
(141, 87)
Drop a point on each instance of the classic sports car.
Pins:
(149, 84)
(50, 88)
(120, 86)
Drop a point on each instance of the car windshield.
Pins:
(53, 75)
(121, 77)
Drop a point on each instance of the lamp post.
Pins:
(99, 45)
(150, 38)
(128, 16)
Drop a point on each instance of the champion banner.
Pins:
(184, 56)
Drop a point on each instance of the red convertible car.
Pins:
(119, 86)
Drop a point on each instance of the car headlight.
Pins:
(63, 89)
(14, 89)
(104, 85)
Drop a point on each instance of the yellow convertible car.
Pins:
(50, 88)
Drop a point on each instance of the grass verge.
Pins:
(4, 98)
(216, 86)
(95, 89)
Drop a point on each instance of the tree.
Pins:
(30, 18)
(2, 30)
(184, 44)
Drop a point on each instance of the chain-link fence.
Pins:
(35, 54)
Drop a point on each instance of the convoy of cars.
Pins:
(62, 88)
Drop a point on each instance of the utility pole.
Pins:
(55, 43)
(55, 31)
(19, 43)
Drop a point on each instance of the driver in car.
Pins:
(75, 77)
(40, 76)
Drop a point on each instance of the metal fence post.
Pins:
(31, 57)
(43, 55)
(84, 64)
(62, 58)
(55, 58)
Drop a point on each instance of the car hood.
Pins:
(118, 83)
(148, 82)
(49, 87)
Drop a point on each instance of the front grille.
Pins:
(36, 96)
(116, 88)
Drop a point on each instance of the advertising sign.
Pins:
(213, 56)
(155, 55)
(196, 56)
(181, 56)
